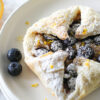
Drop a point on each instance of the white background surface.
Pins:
(20, 86)
(9, 7)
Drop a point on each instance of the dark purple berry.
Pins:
(14, 55)
(69, 41)
(97, 40)
(65, 85)
(72, 70)
(86, 52)
(88, 41)
(40, 51)
(56, 45)
(14, 68)
(71, 83)
(71, 52)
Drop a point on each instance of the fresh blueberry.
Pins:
(56, 45)
(86, 52)
(14, 55)
(72, 70)
(69, 41)
(97, 40)
(14, 68)
(71, 52)
(98, 59)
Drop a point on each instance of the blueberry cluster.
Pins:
(70, 46)
(70, 77)
(65, 45)
(14, 56)
(85, 51)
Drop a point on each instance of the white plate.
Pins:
(19, 88)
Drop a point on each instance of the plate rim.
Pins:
(7, 95)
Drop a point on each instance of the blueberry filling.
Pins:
(88, 41)
(97, 40)
(73, 27)
(70, 76)
(74, 48)
(39, 51)
(69, 41)
(56, 45)
(85, 51)
(72, 70)
(71, 52)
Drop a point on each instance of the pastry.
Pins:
(63, 51)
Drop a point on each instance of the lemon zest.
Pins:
(38, 42)
(27, 23)
(84, 31)
(35, 85)
(53, 94)
(82, 43)
(87, 64)
(51, 66)
(45, 42)
(19, 38)
(1, 8)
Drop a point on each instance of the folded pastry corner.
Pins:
(90, 23)
(62, 50)
(87, 79)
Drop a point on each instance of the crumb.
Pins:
(35, 85)
(20, 38)
(27, 23)
(51, 66)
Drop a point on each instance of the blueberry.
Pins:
(86, 52)
(39, 51)
(71, 52)
(14, 55)
(65, 85)
(69, 41)
(88, 41)
(56, 45)
(98, 59)
(71, 83)
(72, 70)
(97, 40)
(67, 75)
(14, 68)
(73, 29)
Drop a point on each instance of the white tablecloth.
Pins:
(9, 6)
